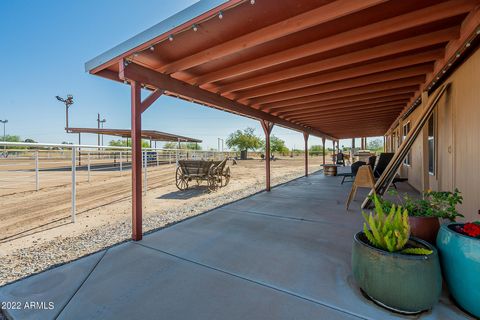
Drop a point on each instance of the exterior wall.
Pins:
(457, 139)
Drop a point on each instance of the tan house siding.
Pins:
(457, 117)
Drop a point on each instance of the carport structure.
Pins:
(332, 69)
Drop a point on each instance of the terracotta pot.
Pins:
(425, 228)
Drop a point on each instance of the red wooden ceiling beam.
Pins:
(360, 98)
(135, 72)
(469, 28)
(385, 65)
(341, 116)
(380, 51)
(352, 93)
(344, 84)
(353, 104)
(325, 13)
(388, 26)
(320, 112)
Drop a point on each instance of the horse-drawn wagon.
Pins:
(215, 173)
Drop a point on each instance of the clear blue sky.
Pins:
(44, 45)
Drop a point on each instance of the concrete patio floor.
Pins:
(278, 255)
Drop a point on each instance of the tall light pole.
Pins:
(4, 134)
(98, 125)
(68, 102)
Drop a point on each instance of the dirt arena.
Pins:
(47, 212)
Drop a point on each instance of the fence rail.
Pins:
(30, 166)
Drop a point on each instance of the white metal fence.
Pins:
(27, 167)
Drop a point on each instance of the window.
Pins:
(431, 145)
(408, 159)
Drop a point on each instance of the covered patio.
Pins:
(283, 254)
(332, 69)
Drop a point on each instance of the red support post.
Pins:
(323, 152)
(267, 128)
(305, 137)
(136, 161)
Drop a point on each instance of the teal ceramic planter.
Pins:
(400, 282)
(460, 259)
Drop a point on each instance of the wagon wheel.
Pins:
(180, 180)
(225, 177)
(212, 183)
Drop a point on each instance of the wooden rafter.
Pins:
(380, 96)
(356, 105)
(405, 21)
(135, 72)
(274, 31)
(366, 69)
(370, 80)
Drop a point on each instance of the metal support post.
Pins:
(88, 167)
(37, 181)
(145, 172)
(74, 183)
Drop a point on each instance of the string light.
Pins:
(195, 28)
(458, 55)
(152, 48)
(220, 15)
(135, 54)
(170, 37)
(252, 2)
(467, 45)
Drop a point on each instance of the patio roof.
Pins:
(335, 69)
(126, 133)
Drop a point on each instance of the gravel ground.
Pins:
(31, 260)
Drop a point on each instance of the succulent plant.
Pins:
(390, 231)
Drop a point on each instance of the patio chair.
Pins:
(371, 162)
(340, 159)
(354, 169)
(382, 164)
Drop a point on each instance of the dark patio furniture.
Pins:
(383, 161)
(354, 169)
(340, 159)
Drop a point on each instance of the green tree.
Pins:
(244, 140)
(30, 141)
(316, 150)
(170, 145)
(276, 145)
(188, 145)
(10, 138)
(124, 143)
(375, 145)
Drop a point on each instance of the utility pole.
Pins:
(4, 134)
(68, 102)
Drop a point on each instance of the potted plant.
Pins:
(399, 272)
(424, 213)
(459, 248)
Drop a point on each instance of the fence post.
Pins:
(37, 181)
(145, 173)
(88, 167)
(121, 162)
(156, 157)
(74, 182)
(169, 157)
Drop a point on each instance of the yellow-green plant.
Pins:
(389, 231)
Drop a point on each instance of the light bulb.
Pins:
(220, 15)
(170, 37)
(195, 27)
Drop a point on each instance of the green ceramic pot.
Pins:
(460, 257)
(400, 282)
